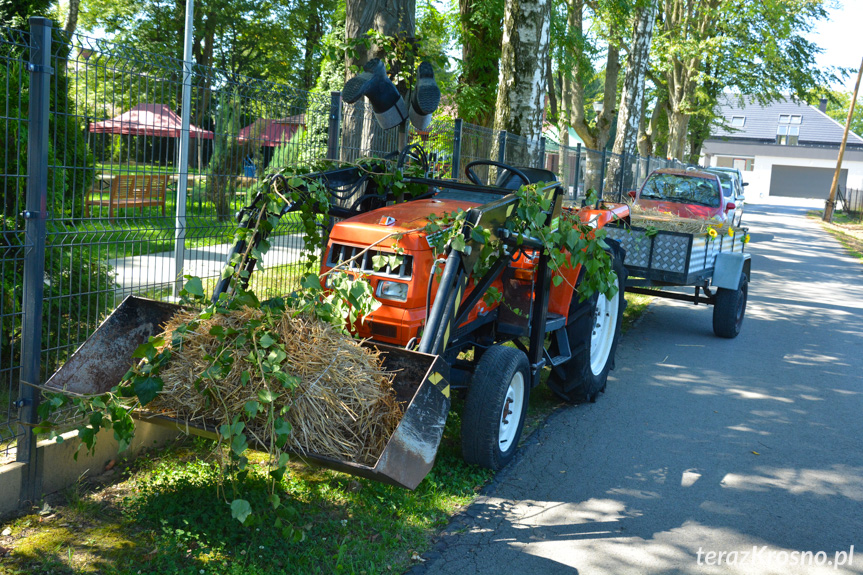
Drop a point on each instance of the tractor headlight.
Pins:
(392, 290)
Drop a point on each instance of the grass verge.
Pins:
(169, 514)
(849, 232)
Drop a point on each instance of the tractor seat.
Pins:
(510, 181)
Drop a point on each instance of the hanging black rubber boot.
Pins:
(425, 97)
(374, 84)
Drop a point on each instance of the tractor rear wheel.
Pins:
(496, 405)
(593, 329)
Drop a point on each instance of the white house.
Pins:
(785, 148)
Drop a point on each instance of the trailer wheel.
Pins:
(729, 308)
(494, 412)
(593, 329)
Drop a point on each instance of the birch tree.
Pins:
(522, 80)
(632, 97)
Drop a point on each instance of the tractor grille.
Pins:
(340, 253)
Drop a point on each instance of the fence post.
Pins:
(577, 169)
(601, 177)
(622, 177)
(456, 148)
(542, 153)
(501, 147)
(35, 216)
(183, 156)
(334, 126)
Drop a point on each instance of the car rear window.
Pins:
(682, 189)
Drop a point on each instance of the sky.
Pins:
(840, 38)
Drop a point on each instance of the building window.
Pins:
(742, 164)
(790, 119)
(787, 135)
(738, 121)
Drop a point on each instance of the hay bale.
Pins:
(343, 407)
(642, 217)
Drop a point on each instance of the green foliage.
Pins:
(838, 104)
(568, 242)
(280, 42)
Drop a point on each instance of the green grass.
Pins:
(167, 515)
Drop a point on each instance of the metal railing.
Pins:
(96, 205)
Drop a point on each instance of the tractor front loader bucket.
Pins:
(421, 384)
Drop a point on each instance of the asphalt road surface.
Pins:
(749, 448)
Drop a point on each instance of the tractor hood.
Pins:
(375, 225)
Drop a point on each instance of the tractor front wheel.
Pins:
(496, 406)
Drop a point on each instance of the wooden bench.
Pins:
(129, 191)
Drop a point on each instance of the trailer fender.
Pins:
(728, 267)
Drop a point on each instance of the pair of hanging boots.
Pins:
(389, 108)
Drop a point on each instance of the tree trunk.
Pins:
(522, 80)
(72, 20)
(678, 122)
(389, 19)
(632, 98)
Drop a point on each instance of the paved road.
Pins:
(137, 273)
(700, 444)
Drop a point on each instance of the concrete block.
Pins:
(59, 469)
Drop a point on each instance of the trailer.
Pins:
(718, 269)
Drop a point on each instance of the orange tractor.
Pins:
(435, 328)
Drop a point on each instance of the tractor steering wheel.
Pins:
(475, 179)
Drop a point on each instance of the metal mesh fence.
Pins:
(850, 202)
(13, 67)
(125, 216)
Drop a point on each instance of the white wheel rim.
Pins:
(510, 415)
(604, 328)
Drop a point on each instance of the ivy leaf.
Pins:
(477, 235)
(281, 427)
(557, 280)
(274, 500)
(145, 351)
(266, 396)
(266, 340)
(239, 444)
(458, 243)
(240, 510)
(194, 286)
(311, 282)
(252, 407)
(146, 388)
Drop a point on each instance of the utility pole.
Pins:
(831, 201)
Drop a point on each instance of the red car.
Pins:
(685, 193)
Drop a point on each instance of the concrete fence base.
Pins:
(59, 469)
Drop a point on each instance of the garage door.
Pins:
(802, 182)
